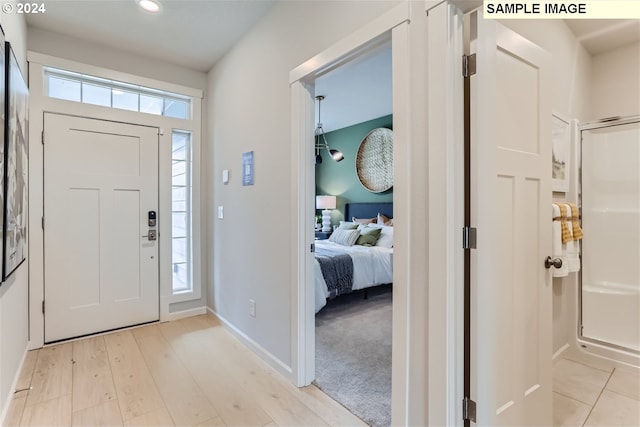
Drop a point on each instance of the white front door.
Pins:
(100, 182)
(511, 209)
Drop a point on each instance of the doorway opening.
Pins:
(391, 29)
(353, 270)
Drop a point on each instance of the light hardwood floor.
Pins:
(190, 372)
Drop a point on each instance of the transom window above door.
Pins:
(71, 86)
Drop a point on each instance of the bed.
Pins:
(348, 268)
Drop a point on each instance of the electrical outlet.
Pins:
(252, 308)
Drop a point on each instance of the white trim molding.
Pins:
(394, 26)
(7, 403)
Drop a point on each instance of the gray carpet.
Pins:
(353, 353)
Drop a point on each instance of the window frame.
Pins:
(189, 235)
(82, 79)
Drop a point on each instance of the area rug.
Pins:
(353, 353)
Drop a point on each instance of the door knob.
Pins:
(152, 235)
(552, 262)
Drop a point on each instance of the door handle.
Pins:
(152, 235)
(552, 262)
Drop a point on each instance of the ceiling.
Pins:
(190, 33)
(196, 33)
(601, 35)
(358, 91)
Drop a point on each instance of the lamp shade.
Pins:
(325, 202)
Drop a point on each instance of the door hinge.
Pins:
(313, 248)
(42, 223)
(469, 237)
(468, 65)
(468, 410)
(42, 137)
(42, 306)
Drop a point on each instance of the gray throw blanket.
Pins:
(337, 269)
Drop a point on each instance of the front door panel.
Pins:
(100, 180)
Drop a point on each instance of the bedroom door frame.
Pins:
(391, 26)
(426, 330)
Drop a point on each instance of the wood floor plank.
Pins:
(190, 372)
(105, 414)
(331, 411)
(185, 401)
(213, 422)
(267, 390)
(136, 390)
(158, 418)
(16, 408)
(92, 380)
(230, 400)
(52, 375)
(52, 413)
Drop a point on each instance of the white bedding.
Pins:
(372, 266)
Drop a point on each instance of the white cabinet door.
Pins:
(511, 208)
(100, 181)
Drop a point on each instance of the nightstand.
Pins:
(321, 235)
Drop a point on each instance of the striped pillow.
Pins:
(344, 237)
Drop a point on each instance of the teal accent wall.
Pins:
(339, 178)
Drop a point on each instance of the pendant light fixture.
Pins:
(321, 141)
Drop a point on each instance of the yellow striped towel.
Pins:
(566, 233)
(575, 222)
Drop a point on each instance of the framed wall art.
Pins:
(561, 153)
(16, 164)
(2, 140)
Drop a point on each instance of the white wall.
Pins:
(62, 46)
(616, 83)
(250, 110)
(14, 321)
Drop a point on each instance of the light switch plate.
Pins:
(225, 176)
(220, 212)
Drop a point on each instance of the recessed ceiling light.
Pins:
(149, 5)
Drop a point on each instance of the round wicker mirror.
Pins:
(374, 161)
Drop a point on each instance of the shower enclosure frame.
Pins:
(611, 351)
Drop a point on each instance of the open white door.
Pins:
(101, 249)
(511, 209)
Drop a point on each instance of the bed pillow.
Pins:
(344, 237)
(346, 225)
(386, 237)
(368, 235)
(364, 220)
(384, 220)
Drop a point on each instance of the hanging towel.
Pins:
(575, 222)
(572, 252)
(557, 246)
(563, 217)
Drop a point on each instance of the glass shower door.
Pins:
(610, 277)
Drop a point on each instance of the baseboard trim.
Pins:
(14, 384)
(560, 351)
(186, 313)
(260, 351)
